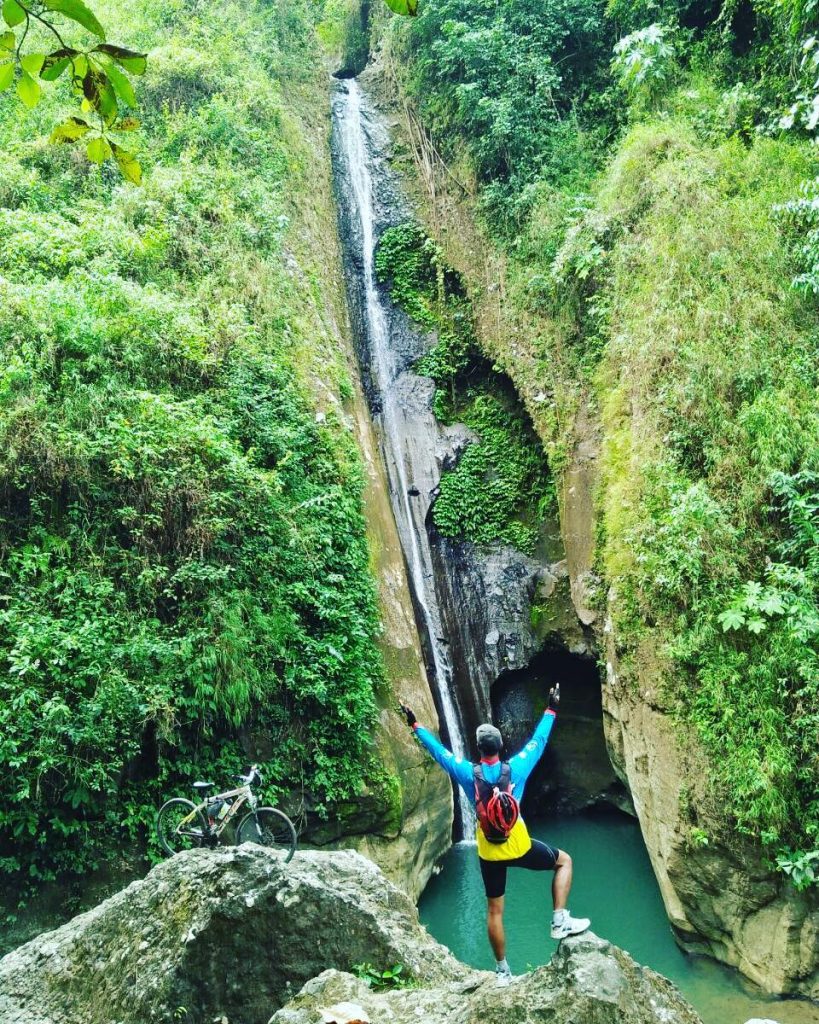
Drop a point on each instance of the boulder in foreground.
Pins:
(233, 934)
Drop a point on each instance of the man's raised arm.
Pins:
(456, 767)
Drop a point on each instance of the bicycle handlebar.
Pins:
(253, 777)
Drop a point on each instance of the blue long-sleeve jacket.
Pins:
(521, 764)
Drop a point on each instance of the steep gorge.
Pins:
(720, 892)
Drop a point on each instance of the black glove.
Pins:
(410, 714)
(554, 697)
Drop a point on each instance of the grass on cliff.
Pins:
(708, 384)
(185, 574)
(669, 292)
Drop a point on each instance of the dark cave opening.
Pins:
(575, 773)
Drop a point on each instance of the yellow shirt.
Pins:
(515, 846)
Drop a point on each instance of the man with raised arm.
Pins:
(496, 789)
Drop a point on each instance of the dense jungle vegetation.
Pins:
(648, 171)
(185, 577)
(500, 490)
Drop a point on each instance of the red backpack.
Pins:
(497, 808)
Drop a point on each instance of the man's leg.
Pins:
(494, 881)
(542, 857)
(494, 926)
(563, 924)
(562, 881)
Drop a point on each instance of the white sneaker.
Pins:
(503, 978)
(568, 925)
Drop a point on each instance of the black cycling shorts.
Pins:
(541, 857)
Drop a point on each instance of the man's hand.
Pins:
(554, 697)
(409, 713)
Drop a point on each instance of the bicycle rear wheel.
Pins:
(270, 827)
(180, 826)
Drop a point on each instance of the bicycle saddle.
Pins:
(204, 785)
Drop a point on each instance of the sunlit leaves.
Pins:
(77, 11)
(98, 150)
(127, 163)
(32, 62)
(13, 13)
(133, 61)
(99, 76)
(122, 87)
(71, 130)
(56, 62)
(28, 89)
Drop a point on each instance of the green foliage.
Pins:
(500, 489)
(710, 506)
(803, 869)
(506, 77)
(382, 981)
(802, 217)
(185, 579)
(98, 75)
(643, 63)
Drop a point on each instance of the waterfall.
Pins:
(400, 400)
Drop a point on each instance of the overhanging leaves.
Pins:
(128, 164)
(76, 11)
(71, 130)
(131, 60)
(97, 90)
(13, 13)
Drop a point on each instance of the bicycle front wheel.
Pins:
(268, 826)
(180, 826)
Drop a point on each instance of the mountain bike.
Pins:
(184, 825)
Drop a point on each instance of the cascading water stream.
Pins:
(408, 432)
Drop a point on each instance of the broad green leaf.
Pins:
(13, 13)
(8, 41)
(81, 66)
(733, 618)
(71, 130)
(56, 62)
(98, 150)
(771, 603)
(52, 72)
(756, 625)
(77, 11)
(28, 89)
(122, 86)
(753, 591)
(98, 91)
(132, 60)
(33, 63)
(128, 164)
(6, 74)
(409, 7)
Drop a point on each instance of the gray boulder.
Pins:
(588, 981)
(232, 935)
(230, 932)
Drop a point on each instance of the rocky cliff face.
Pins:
(232, 935)
(720, 900)
(473, 604)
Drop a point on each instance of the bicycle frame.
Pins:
(241, 795)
